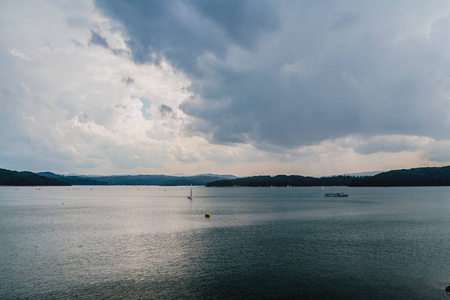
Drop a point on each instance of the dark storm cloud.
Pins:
(292, 73)
(166, 110)
(97, 39)
(346, 19)
(242, 21)
(182, 30)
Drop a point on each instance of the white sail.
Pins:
(190, 196)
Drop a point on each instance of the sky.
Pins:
(242, 87)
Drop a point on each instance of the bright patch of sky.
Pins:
(230, 87)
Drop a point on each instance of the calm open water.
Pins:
(260, 243)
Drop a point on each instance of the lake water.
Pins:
(124, 242)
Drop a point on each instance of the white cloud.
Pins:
(16, 53)
(72, 105)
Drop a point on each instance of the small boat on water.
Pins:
(190, 196)
(336, 195)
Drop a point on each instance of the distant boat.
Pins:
(190, 196)
(322, 188)
(336, 195)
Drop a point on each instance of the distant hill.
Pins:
(282, 180)
(15, 178)
(363, 174)
(73, 180)
(434, 176)
(160, 180)
(217, 176)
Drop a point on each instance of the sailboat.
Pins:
(190, 196)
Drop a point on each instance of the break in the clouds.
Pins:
(243, 87)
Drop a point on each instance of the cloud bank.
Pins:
(242, 87)
(295, 73)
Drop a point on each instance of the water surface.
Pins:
(260, 243)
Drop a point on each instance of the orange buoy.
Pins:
(207, 215)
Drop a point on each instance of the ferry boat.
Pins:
(336, 195)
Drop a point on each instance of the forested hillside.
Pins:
(8, 177)
(411, 177)
(283, 180)
(433, 176)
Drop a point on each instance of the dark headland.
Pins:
(15, 178)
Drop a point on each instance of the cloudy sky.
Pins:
(230, 87)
